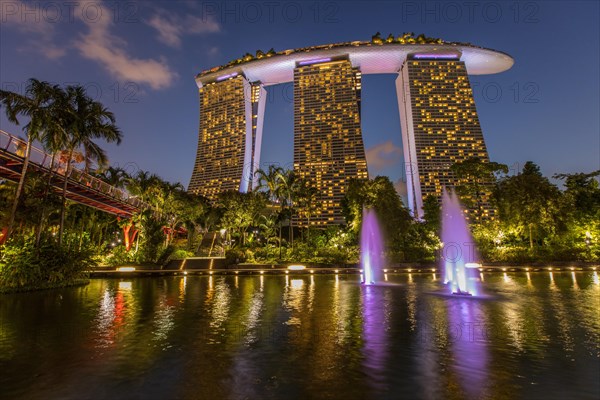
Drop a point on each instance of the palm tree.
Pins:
(272, 181)
(115, 176)
(141, 185)
(289, 182)
(38, 105)
(306, 195)
(84, 119)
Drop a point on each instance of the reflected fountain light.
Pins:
(125, 285)
(237, 282)
(505, 277)
(469, 347)
(371, 248)
(528, 278)
(481, 277)
(312, 280)
(375, 307)
(458, 253)
(575, 285)
(433, 277)
(385, 277)
(297, 283)
(595, 278)
(410, 278)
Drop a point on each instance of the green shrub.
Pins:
(180, 254)
(235, 256)
(120, 256)
(23, 266)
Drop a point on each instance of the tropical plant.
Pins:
(38, 104)
(83, 120)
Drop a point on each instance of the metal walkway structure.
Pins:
(81, 187)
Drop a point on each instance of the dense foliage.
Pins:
(25, 266)
(54, 240)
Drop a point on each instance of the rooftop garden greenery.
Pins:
(406, 38)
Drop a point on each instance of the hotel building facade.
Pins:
(229, 137)
(439, 121)
(328, 144)
(440, 127)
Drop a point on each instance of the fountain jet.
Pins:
(371, 248)
(458, 252)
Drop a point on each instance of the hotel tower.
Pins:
(230, 135)
(328, 144)
(440, 126)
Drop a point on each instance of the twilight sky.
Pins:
(140, 58)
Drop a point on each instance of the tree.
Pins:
(475, 182)
(582, 193)
(240, 211)
(83, 120)
(379, 194)
(528, 201)
(37, 104)
(432, 213)
(306, 195)
(281, 187)
(290, 184)
(271, 182)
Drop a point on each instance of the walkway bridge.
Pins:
(81, 187)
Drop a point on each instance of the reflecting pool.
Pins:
(304, 337)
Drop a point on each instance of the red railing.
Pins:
(16, 146)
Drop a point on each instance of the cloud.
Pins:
(110, 51)
(383, 155)
(31, 20)
(213, 51)
(401, 188)
(171, 28)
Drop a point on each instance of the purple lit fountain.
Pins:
(371, 248)
(458, 252)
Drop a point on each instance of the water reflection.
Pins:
(468, 336)
(304, 336)
(116, 309)
(375, 305)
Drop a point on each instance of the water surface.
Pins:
(304, 337)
